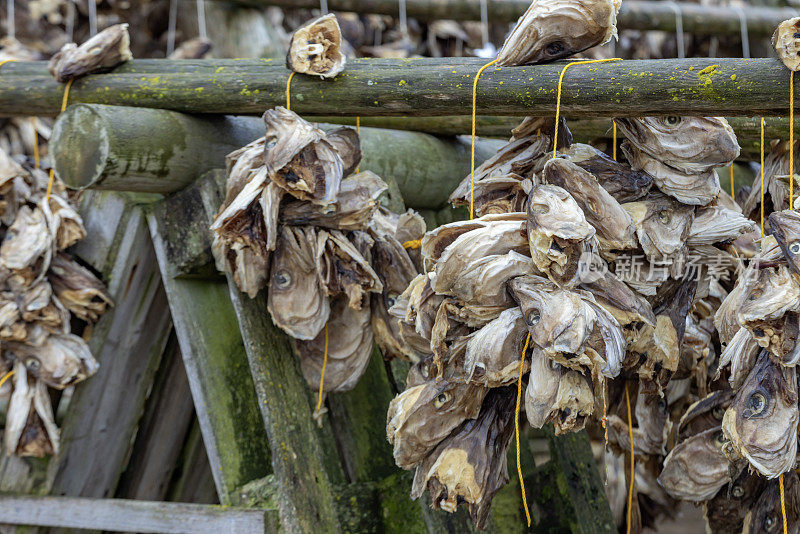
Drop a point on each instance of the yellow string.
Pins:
(614, 139)
(8, 374)
(630, 436)
(324, 364)
(358, 131)
(783, 505)
(6, 61)
(414, 243)
(558, 95)
(288, 91)
(791, 138)
(472, 160)
(52, 171)
(733, 193)
(762, 176)
(516, 427)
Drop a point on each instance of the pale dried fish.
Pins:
(716, 224)
(65, 222)
(483, 282)
(60, 361)
(662, 226)
(78, 289)
(619, 179)
(343, 269)
(786, 42)
(296, 300)
(422, 416)
(30, 425)
(741, 354)
(100, 53)
(493, 353)
(316, 48)
(554, 29)
(27, 248)
(761, 423)
(696, 469)
(470, 464)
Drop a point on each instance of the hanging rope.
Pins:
(63, 107)
(414, 243)
(358, 131)
(678, 28)
(201, 19)
(171, 26)
(289, 91)
(403, 19)
(743, 31)
(762, 176)
(92, 18)
(614, 139)
(733, 192)
(516, 427)
(322, 375)
(783, 505)
(630, 436)
(791, 139)
(6, 377)
(472, 159)
(10, 23)
(323, 7)
(558, 95)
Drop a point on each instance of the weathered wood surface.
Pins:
(193, 480)
(162, 432)
(213, 352)
(102, 147)
(122, 515)
(568, 490)
(128, 342)
(637, 15)
(300, 461)
(418, 87)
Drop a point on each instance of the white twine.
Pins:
(743, 31)
(403, 18)
(678, 28)
(173, 22)
(69, 24)
(323, 7)
(201, 19)
(92, 18)
(487, 50)
(10, 19)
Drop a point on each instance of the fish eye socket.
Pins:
(33, 364)
(737, 492)
(672, 120)
(424, 370)
(794, 248)
(719, 438)
(96, 50)
(282, 279)
(390, 300)
(441, 399)
(756, 403)
(770, 522)
(271, 143)
(718, 413)
(556, 47)
(540, 208)
(533, 317)
(664, 216)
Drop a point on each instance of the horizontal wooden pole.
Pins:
(635, 15)
(418, 87)
(121, 515)
(158, 151)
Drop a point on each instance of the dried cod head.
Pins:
(761, 423)
(785, 226)
(60, 361)
(100, 53)
(615, 229)
(296, 300)
(27, 248)
(80, 291)
(30, 428)
(786, 42)
(555, 29)
(697, 468)
(349, 340)
(727, 510)
(691, 145)
(558, 233)
(617, 298)
(357, 202)
(662, 226)
(766, 514)
(65, 222)
(470, 465)
(705, 414)
(493, 353)
(197, 48)
(620, 180)
(300, 159)
(557, 394)
(316, 48)
(422, 416)
(741, 354)
(343, 269)
(716, 224)
(483, 282)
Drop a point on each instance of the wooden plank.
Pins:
(193, 480)
(122, 515)
(164, 429)
(419, 87)
(213, 354)
(128, 342)
(306, 498)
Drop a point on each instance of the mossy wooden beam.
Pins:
(160, 151)
(637, 15)
(212, 350)
(421, 87)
